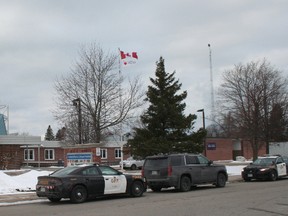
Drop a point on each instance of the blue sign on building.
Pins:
(211, 146)
(79, 156)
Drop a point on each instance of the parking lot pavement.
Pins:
(234, 178)
(7, 199)
(14, 198)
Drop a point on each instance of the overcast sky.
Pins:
(40, 40)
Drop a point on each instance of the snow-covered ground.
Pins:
(19, 183)
(28, 180)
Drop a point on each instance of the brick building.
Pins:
(18, 151)
(109, 152)
(229, 149)
(11, 150)
(44, 154)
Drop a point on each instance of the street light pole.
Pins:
(39, 155)
(203, 118)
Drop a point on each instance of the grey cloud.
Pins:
(39, 40)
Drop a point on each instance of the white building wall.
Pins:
(278, 148)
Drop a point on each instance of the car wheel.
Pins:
(155, 188)
(185, 184)
(133, 167)
(273, 175)
(54, 199)
(78, 194)
(137, 189)
(221, 180)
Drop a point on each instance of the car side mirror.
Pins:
(210, 162)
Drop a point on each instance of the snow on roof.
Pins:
(19, 140)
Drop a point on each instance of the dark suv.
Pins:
(182, 171)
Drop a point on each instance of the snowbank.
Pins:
(19, 183)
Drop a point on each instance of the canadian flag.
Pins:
(128, 58)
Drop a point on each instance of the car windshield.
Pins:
(65, 171)
(108, 170)
(264, 161)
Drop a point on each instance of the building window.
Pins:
(29, 154)
(103, 153)
(49, 154)
(117, 153)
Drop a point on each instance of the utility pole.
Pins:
(204, 128)
(77, 104)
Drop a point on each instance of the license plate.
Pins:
(42, 189)
(250, 175)
(154, 173)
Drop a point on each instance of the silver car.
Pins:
(132, 164)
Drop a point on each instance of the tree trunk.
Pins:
(255, 148)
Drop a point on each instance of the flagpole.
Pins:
(119, 60)
(121, 143)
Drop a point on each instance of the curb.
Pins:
(8, 199)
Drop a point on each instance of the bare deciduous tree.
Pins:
(102, 98)
(248, 95)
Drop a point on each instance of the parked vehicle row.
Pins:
(181, 171)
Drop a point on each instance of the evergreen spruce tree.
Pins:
(60, 135)
(165, 128)
(49, 136)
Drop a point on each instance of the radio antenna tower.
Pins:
(211, 83)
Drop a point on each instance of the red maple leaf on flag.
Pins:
(122, 54)
(128, 58)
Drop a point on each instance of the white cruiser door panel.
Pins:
(281, 169)
(115, 184)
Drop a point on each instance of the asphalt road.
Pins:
(263, 198)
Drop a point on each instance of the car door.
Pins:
(93, 180)
(285, 158)
(208, 173)
(281, 167)
(115, 182)
(195, 168)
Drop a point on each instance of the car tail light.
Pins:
(142, 172)
(169, 170)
